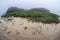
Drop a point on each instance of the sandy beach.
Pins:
(15, 28)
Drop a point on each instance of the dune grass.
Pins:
(36, 16)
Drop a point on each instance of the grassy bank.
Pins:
(36, 16)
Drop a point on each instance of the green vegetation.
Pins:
(41, 9)
(14, 9)
(36, 16)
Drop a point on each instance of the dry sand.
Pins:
(15, 28)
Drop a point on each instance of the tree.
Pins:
(41, 9)
(14, 9)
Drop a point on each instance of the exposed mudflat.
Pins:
(15, 28)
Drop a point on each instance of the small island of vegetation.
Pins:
(37, 14)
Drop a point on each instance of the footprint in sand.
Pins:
(5, 28)
(25, 28)
(9, 32)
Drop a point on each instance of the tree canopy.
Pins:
(14, 9)
(40, 9)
